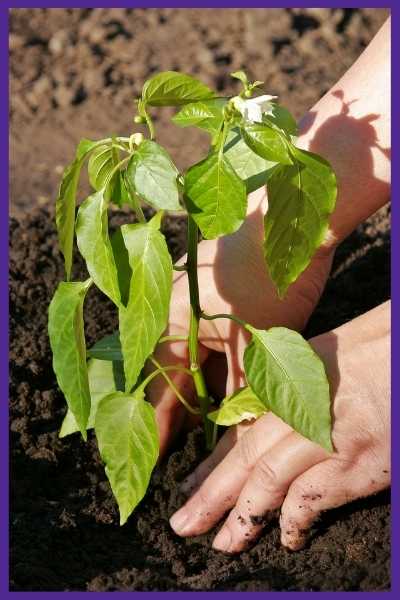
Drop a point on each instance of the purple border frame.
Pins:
(4, 433)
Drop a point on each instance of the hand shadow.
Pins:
(362, 136)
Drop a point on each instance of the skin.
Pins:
(261, 466)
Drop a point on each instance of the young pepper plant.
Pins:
(253, 143)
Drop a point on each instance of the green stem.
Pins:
(195, 312)
(223, 316)
(191, 409)
(173, 338)
(154, 374)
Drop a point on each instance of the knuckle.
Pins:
(247, 450)
(267, 478)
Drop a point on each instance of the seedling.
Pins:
(253, 143)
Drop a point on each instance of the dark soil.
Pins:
(64, 525)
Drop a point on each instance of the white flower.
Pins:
(254, 108)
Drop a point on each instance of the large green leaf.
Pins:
(94, 244)
(66, 202)
(108, 348)
(251, 168)
(267, 142)
(280, 117)
(154, 176)
(240, 406)
(67, 340)
(171, 88)
(127, 435)
(300, 199)
(287, 375)
(204, 114)
(145, 317)
(102, 381)
(216, 196)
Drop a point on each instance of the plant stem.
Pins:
(161, 371)
(223, 316)
(195, 312)
(173, 338)
(191, 409)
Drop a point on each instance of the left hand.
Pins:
(260, 467)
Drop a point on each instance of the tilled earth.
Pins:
(74, 74)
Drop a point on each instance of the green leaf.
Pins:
(94, 245)
(145, 317)
(241, 75)
(287, 375)
(205, 114)
(280, 117)
(101, 164)
(154, 176)
(300, 199)
(107, 349)
(127, 435)
(240, 406)
(251, 168)
(66, 202)
(121, 259)
(67, 340)
(216, 196)
(267, 142)
(102, 381)
(171, 88)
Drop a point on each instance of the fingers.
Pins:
(265, 490)
(221, 488)
(326, 485)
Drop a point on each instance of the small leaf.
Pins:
(67, 340)
(300, 199)
(127, 435)
(154, 176)
(205, 114)
(145, 317)
(216, 196)
(289, 378)
(267, 142)
(107, 349)
(240, 406)
(102, 381)
(94, 245)
(101, 164)
(251, 168)
(66, 202)
(171, 88)
(241, 75)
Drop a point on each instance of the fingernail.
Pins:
(223, 540)
(179, 521)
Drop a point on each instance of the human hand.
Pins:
(260, 467)
(232, 279)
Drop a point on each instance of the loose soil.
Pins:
(64, 522)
